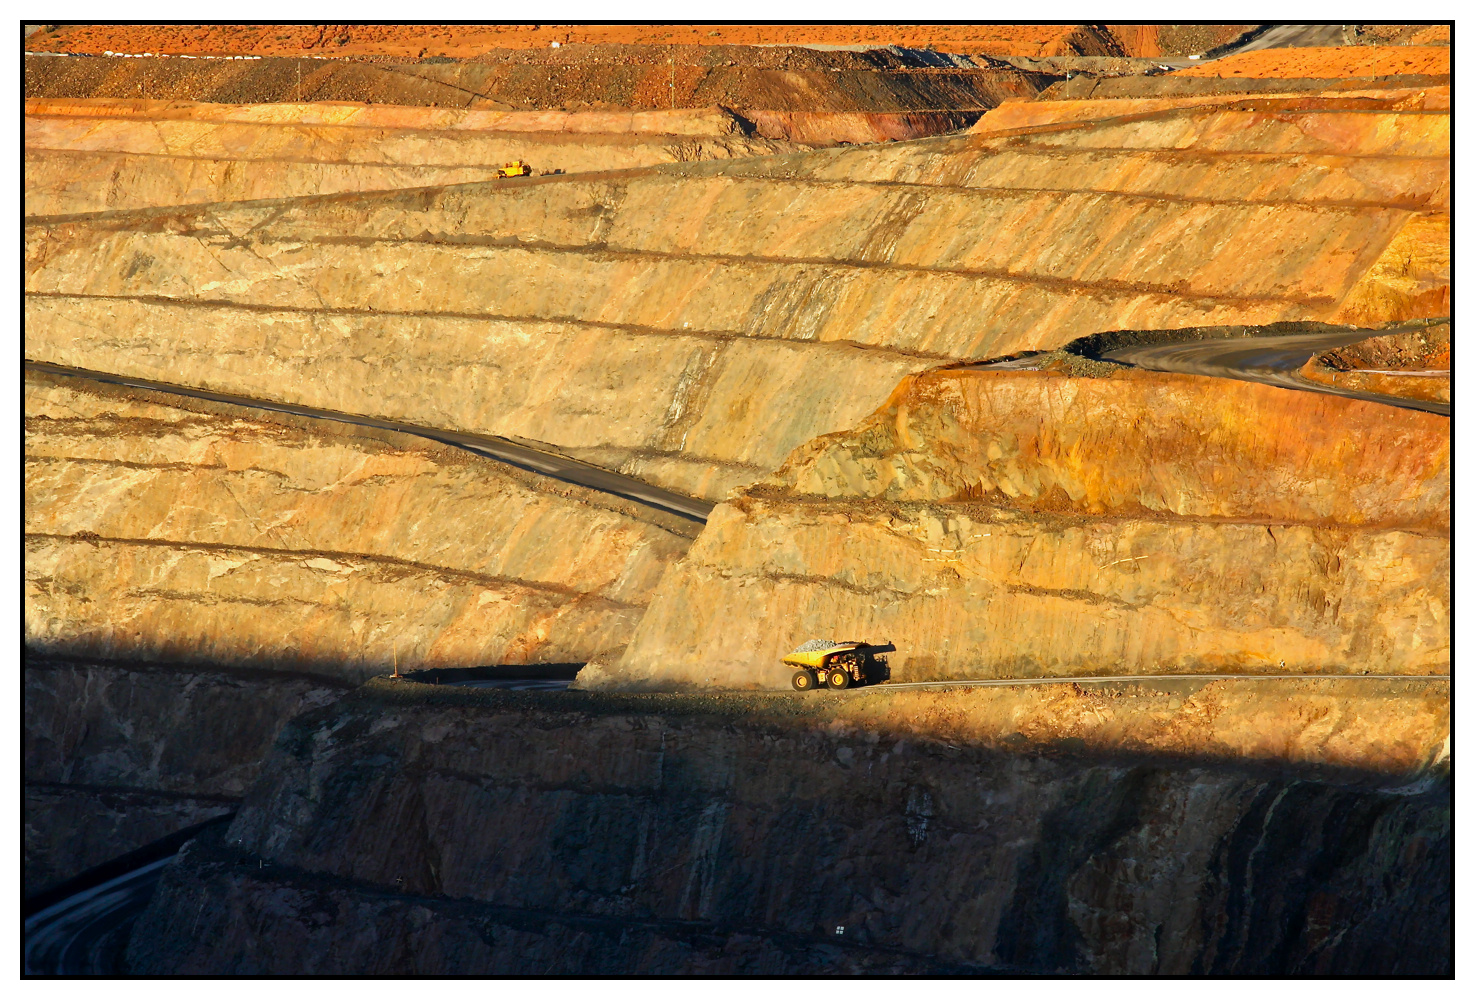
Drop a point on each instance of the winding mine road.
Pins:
(86, 933)
(1274, 360)
(543, 463)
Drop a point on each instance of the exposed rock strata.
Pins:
(1414, 365)
(738, 290)
(119, 754)
(1340, 61)
(710, 837)
(589, 78)
(1038, 113)
(173, 529)
(1084, 87)
(1027, 523)
(683, 121)
(660, 40)
(67, 830)
(76, 164)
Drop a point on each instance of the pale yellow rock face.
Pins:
(199, 531)
(1389, 726)
(1025, 524)
(1027, 114)
(1138, 443)
(692, 325)
(683, 121)
(76, 164)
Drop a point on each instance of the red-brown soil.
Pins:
(1330, 63)
(571, 78)
(1413, 365)
(467, 41)
(1402, 34)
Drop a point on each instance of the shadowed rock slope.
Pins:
(121, 753)
(711, 835)
(691, 325)
(1034, 523)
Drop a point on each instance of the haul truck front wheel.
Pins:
(839, 679)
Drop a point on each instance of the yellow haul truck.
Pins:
(838, 665)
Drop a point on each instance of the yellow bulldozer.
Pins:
(838, 665)
(514, 169)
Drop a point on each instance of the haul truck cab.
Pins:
(837, 665)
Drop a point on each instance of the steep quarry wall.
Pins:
(469, 40)
(1030, 523)
(712, 836)
(693, 122)
(681, 313)
(176, 530)
(1031, 114)
(571, 78)
(198, 573)
(77, 164)
(119, 754)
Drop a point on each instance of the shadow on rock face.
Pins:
(415, 829)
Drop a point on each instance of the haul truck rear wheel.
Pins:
(803, 680)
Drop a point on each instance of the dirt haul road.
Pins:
(531, 459)
(1271, 360)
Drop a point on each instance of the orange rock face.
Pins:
(1331, 62)
(1136, 444)
(1008, 524)
(146, 154)
(681, 121)
(723, 292)
(464, 41)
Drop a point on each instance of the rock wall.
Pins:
(169, 529)
(684, 121)
(77, 164)
(120, 754)
(471, 40)
(582, 78)
(1038, 113)
(1031, 523)
(696, 323)
(713, 837)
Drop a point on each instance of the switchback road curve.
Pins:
(1273, 360)
(86, 933)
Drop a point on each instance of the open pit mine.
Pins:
(413, 544)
